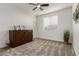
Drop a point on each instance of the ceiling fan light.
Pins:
(38, 6)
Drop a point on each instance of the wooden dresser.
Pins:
(19, 37)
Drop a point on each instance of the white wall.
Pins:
(64, 23)
(75, 34)
(10, 16)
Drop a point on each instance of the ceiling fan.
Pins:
(39, 5)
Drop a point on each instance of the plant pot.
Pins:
(66, 37)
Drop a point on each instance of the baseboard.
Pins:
(75, 52)
(53, 40)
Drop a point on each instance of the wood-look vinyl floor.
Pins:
(40, 47)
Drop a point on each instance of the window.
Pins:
(50, 22)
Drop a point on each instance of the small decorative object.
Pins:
(23, 27)
(76, 14)
(19, 27)
(14, 27)
(66, 36)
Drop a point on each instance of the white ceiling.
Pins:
(25, 7)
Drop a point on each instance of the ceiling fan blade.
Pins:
(44, 4)
(41, 8)
(32, 4)
(34, 8)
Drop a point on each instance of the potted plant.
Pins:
(66, 36)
